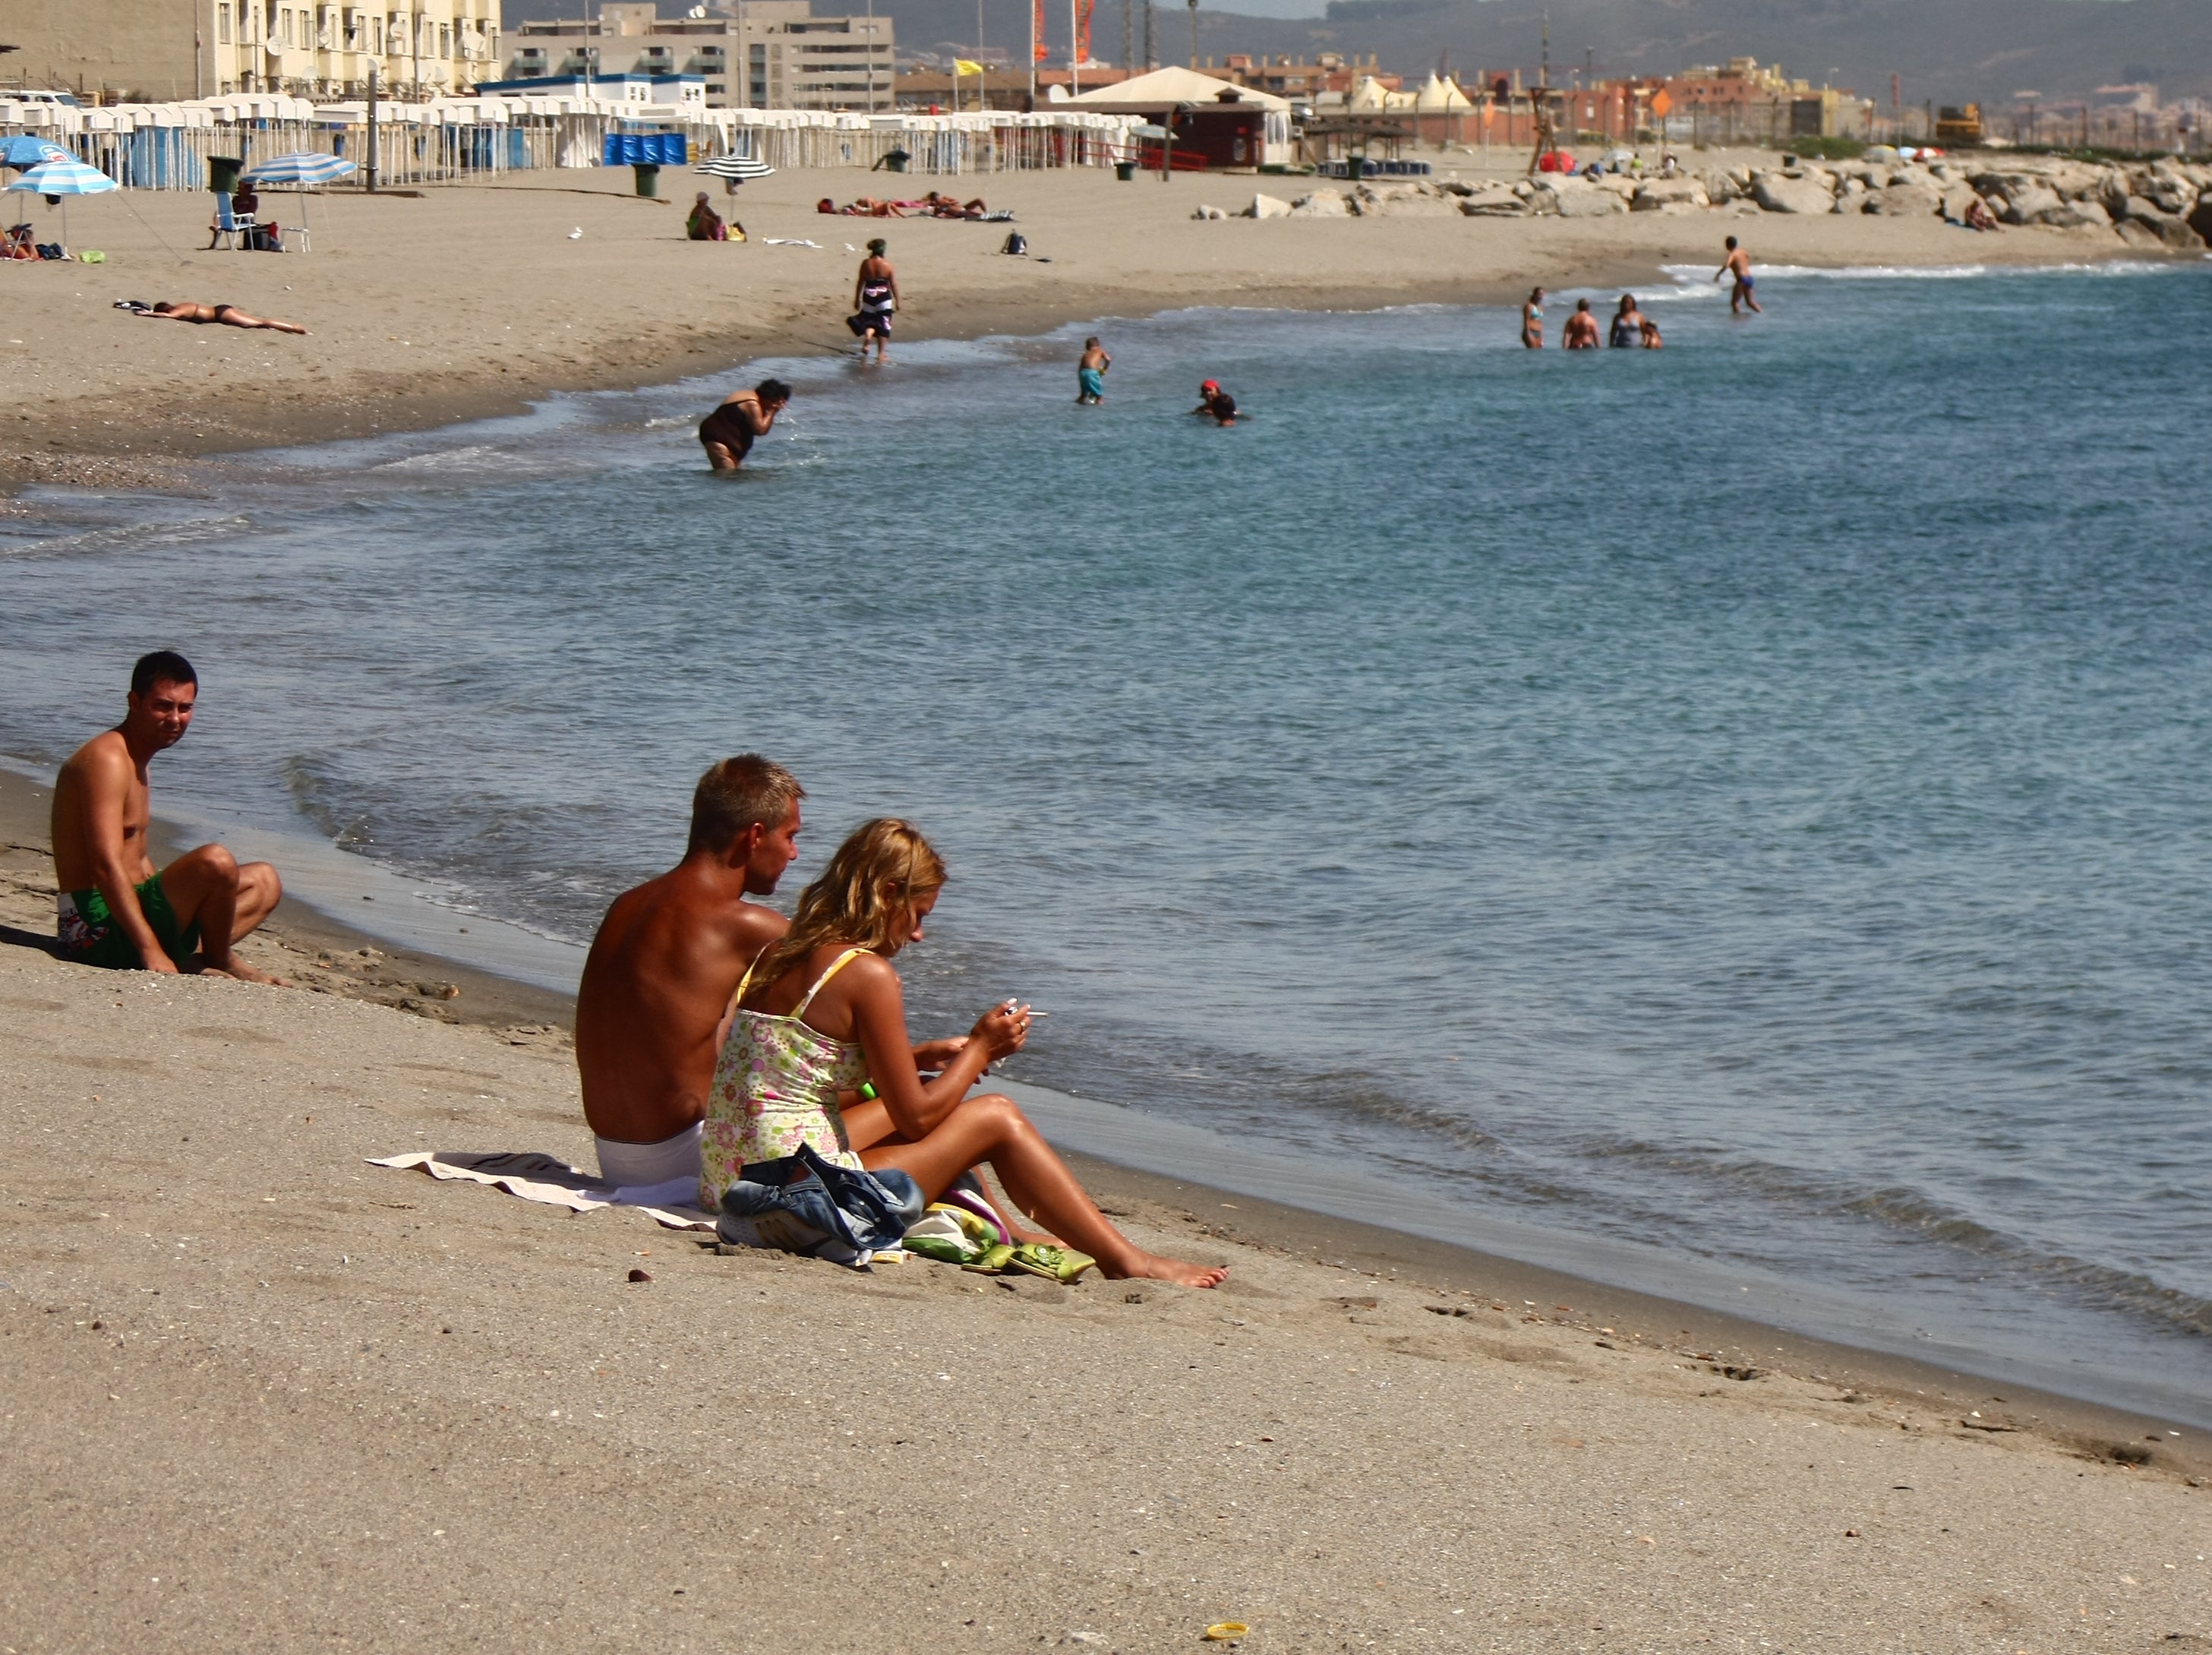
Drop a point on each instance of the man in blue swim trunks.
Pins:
(1091, 372)
(1738, 265)
(114, 909)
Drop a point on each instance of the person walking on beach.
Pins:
(1627, 332)
(875, 296)
(1738, 265)
(822, 1011)
(113, 909)
(727, 434)
(1217, 403)
(1581, 328)
(1531, 320)
(1091, 372)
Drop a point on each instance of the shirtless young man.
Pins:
(1091, 372)
(668, 956)
(1738, 265)
(657, 987)
(114, 909)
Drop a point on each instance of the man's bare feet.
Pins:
(1151, 1266)
(239, 970)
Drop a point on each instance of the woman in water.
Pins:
(822, 1011)
(1531, 320)
(727, 434)
(1627, 333)
(875, 296)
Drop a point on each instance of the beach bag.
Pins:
(50, 250)
(802, 1203)
(1017, 245)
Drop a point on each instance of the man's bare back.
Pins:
(667, 959)
(113, 909)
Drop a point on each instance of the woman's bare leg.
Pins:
(868, 1126)
(994, 1129)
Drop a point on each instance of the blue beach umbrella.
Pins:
(300, 169)
(65, 176)
(24, 150)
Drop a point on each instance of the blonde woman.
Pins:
(822, 1011)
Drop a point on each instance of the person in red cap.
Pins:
(1213, 400)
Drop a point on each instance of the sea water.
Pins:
(1741, 811)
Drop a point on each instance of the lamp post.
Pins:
(1194, 33)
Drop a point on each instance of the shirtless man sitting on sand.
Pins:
(654, 1001)
(114, 909)
(668, 956)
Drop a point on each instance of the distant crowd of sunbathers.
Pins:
(932, 205)
(721, 1045)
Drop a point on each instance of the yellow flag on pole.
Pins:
(961, 66)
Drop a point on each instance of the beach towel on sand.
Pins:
(552, 1181)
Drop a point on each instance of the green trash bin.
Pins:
(222, 173)
(895, 162)
(648, 180)
(1125, 170)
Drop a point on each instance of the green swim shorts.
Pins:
(90, 936)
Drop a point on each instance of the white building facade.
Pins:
(766, 54)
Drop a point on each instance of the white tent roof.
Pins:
(1171, 85)
(1437, 92)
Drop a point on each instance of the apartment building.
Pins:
(765, 54)
(156, 50)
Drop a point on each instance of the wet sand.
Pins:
(257, 1393)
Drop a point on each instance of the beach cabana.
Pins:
(1215, 123)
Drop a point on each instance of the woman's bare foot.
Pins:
(1151, 1266)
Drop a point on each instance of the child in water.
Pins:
(1213, 400)
(1091, 372)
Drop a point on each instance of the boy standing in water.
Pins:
(1738, 265)
(1091, 372)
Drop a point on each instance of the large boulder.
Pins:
(1268, 206)
(1657, 194)
(1495, 201)
(1322, 203)
(2030, 202)
(1905, 201)
(2083, 215)
(1955, 201)
(1402, 201)
(1776, 193)
(1574, 198)
(1719, 185)
(2201, 219)
(2173, 231)
(2139, 235)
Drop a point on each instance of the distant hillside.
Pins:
(1945, 50)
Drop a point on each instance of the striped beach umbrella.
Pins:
(65, 176)
(739, 167)
(300, 169)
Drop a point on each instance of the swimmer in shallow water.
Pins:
(1091, 372)
(1650, 329)
(1531, 320)
(1581, 328)
(183, 310)
(727, 434)
(1216, 402)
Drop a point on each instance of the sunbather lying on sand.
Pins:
(822, 1011)
(183, 310)
(867, 206)
(943, 206)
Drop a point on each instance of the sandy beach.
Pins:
(258, 1393)
(467, 299)
(261, 1393)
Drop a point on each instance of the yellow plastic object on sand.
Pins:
(1222, 1631)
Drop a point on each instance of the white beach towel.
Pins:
(790, 242)
(551, 1182)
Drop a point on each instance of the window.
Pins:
(445, 40)
(222, 25)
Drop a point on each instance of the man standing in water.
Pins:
(1738, 265)
(1581, 328)
(658, 981)
(1091, 372)
(875, 296)
(113, 909)
(727, 434)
